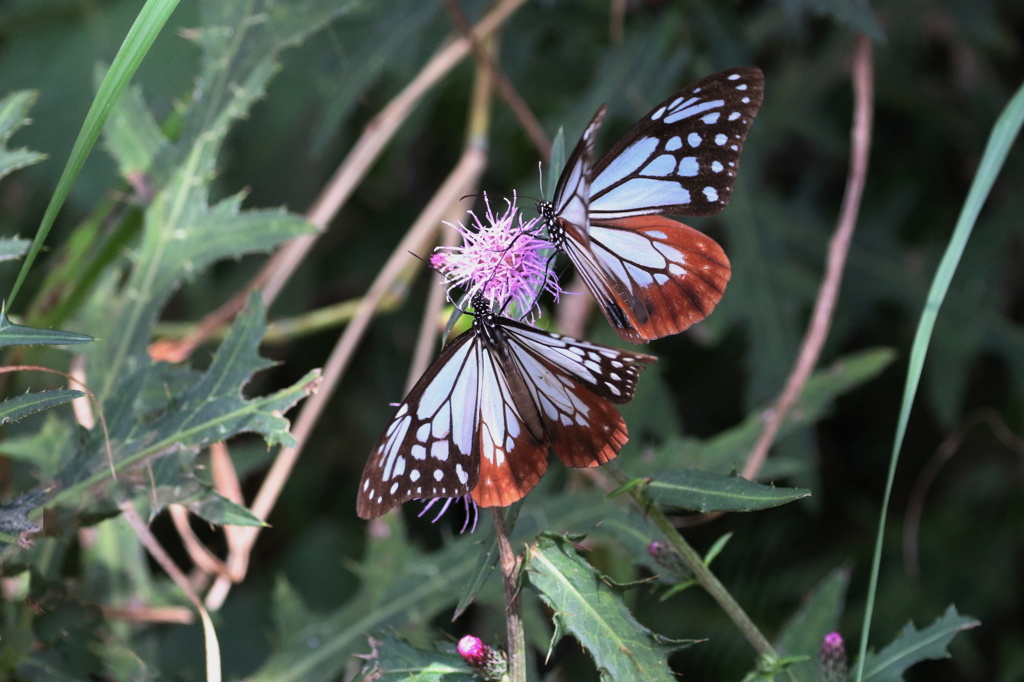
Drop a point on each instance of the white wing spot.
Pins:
(439, 450)
(674, 143)
(734, 115)
(720, 139)
(745, 100)
(657, 234)
(688, 166)
(414, 475)
(657, 114)
(462, 474)
(717, 166)
(711, 119)
(418, 452)
(693, 139)
(711, 193)
(423, 432)
(438, 475)
(734, 147)
(741, 86)
(660, 166)
(366, 485)
(734, 76)
(394, 487)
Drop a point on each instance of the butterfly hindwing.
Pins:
(574, 385)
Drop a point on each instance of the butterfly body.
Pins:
(482, 418)
(653, 276)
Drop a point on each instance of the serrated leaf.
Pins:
(805, 630)
(13, 115)
(11, 249)
(703, 491)
(212, 409)
(131, 133)
(395, 659)
(219, 510)
(12, 334)
(913, 646)
(13, 409)
(14, 515)
(594, 614)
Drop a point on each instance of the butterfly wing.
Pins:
(429, 448)
(513, 444)
(573, 188)
(682, 157)
(574, 385)
(653, 276)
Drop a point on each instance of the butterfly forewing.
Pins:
(430, 447)
(573, 188)
(682, 157)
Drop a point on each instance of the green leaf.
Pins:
(147, 26)
(219, 510)
(11, 249)
(13, 115)
(211, 409)
(321, 650)
(805, 630)
(487, 564)
(14, 515)
(394, 659)
(594, 614)
(1000, 142)
(131, 133)
(555, 165)
(704, 492)
(913, 646)
(18, 335)
(13, 409)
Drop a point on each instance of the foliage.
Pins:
(170, 145)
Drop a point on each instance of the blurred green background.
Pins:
(943, 71)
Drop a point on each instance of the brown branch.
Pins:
(502, 84)
(839, 247)
(515, 644)
(279, 268)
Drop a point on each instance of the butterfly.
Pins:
(653, 276)
(480, 420)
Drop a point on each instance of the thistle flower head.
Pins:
(489, 663)
(832, 658)
(501, 258)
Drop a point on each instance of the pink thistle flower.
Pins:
(832, 658)
(503, 260)
(490, 663)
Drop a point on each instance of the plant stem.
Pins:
(706, 578)
(516, 644)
